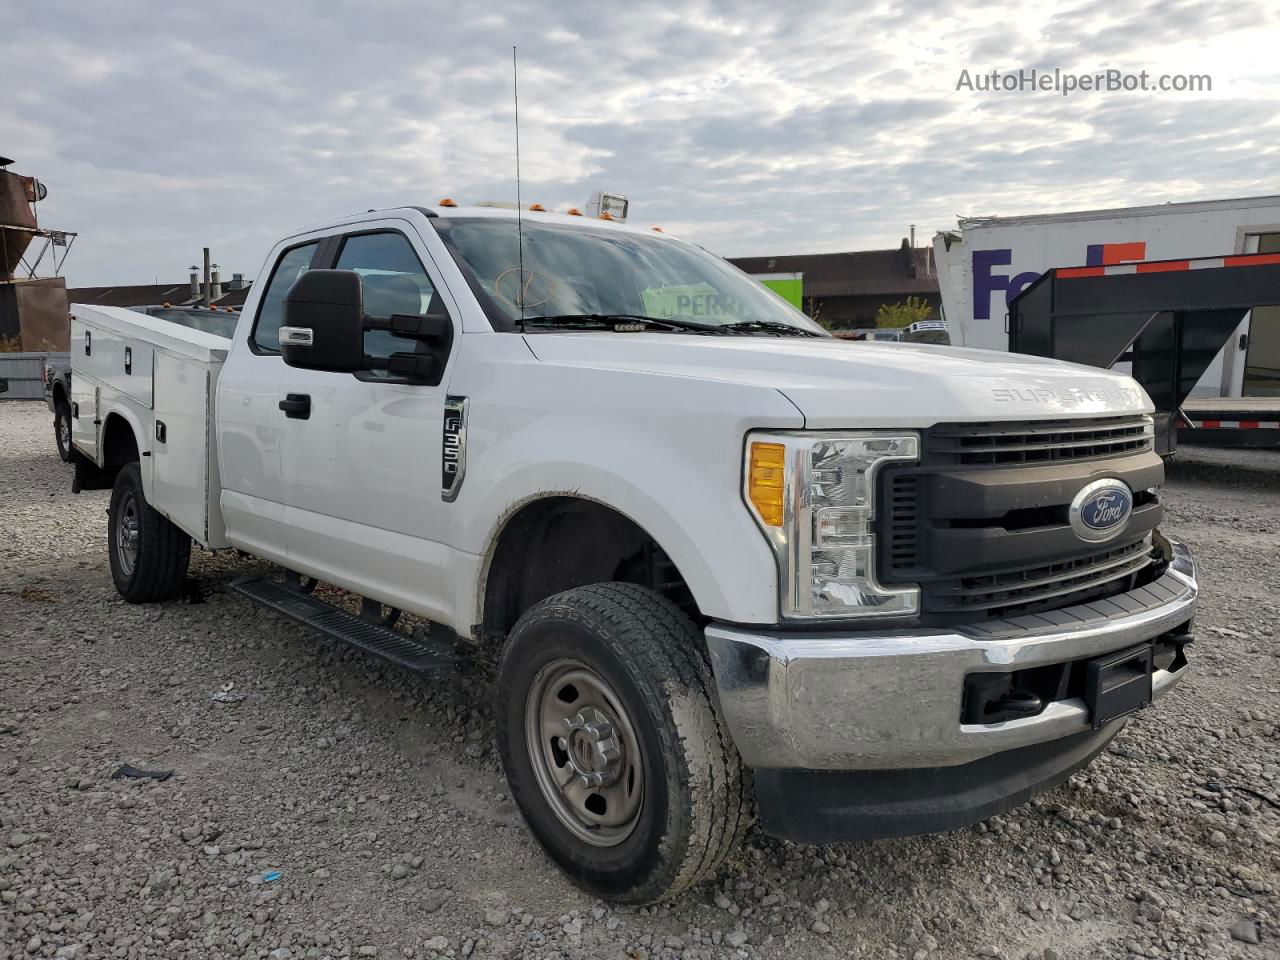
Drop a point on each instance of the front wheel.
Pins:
(62, 429)
(148, 554)
(612, 746)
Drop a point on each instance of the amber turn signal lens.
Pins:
(766, 472)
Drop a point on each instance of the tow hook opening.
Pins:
(997, 697)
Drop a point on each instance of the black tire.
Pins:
(62, 429)
(161, 552)
(695, 804)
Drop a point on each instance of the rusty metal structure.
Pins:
(33, 308)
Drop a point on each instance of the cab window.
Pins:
(394, 282)
(292, 264)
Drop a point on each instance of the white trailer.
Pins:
(990, 260)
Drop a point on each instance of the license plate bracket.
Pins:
(1118, 684)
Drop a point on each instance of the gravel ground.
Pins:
(378, 799)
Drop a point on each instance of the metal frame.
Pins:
(52, 240)
(1169, 318)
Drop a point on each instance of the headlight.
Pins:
(814, 497)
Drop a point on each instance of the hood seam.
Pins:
(804, 420)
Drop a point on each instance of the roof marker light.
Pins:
(573, 212)
(447, 202)
(537, 208)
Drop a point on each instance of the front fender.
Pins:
(665, 452)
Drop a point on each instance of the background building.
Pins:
(845, 290)
(230, 294)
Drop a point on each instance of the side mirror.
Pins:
(323, 325)
(324, 329)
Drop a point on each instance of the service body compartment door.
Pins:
(183, 471)
(123, 363)
(84, 392)
(84, 416)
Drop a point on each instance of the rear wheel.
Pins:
(62, 429)
(148, 554)
(612, 746)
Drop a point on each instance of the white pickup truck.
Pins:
(730, 566)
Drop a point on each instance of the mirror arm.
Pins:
(413, 366)
(430, 326)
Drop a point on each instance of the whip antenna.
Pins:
(515, 96)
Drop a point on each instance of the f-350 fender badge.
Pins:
(453, 451)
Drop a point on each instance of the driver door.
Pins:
(361, 469)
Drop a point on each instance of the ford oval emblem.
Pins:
(1101, 510)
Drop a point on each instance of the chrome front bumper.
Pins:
(892, 699)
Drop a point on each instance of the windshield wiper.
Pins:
(619, 321)
(770, 326)
(615, 321)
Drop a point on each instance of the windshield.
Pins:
(572, 271)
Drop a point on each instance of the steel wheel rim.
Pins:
(127, 534)
(64, 431)
(584, 752)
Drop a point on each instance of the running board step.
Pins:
(434, 657)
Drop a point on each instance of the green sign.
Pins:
(703, 300)
(789, 286)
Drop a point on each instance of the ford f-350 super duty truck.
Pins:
(729, 566)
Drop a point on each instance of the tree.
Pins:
(903, 313)
(814, 311)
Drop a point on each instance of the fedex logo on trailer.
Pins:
(987, 279)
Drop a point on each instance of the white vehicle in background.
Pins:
(989, 260)
(893, 335)
(721, 557)
(927, 326)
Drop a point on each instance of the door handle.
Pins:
(296, 406)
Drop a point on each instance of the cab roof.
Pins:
(492, 213)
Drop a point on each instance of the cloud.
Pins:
(752, 127)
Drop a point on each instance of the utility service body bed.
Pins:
(161, 378)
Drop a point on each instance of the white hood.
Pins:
(840, 383)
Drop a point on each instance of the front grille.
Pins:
(1040, 441)
(1011, 592)
(982, 522)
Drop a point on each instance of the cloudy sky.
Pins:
(751, 127)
